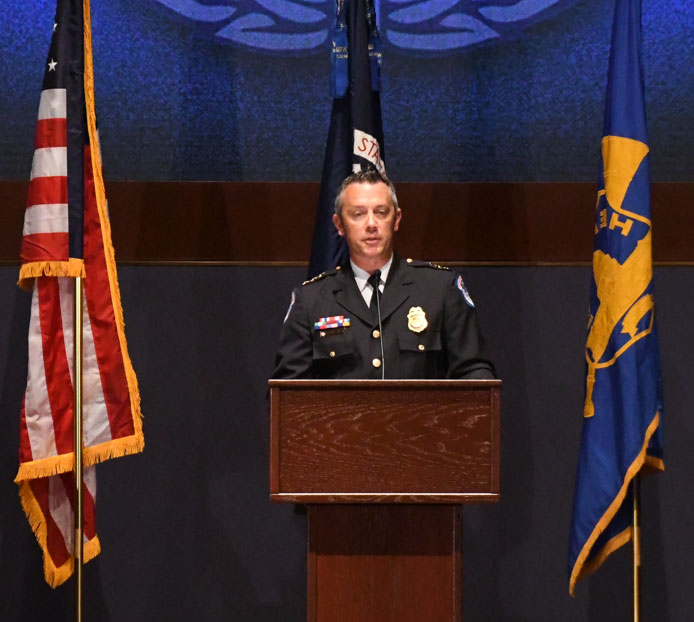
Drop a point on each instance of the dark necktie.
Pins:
(374, 281)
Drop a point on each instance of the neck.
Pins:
(370, 264)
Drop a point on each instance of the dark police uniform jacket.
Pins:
(448, 347)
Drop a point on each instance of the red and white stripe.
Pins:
(47, 418)
(46, 218)
(48, 402)
(54, 499)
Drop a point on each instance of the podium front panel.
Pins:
(384, 441)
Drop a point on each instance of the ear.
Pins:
(398, 216)
(337, 221)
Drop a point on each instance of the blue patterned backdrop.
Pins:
(292, 26)
(239, 89)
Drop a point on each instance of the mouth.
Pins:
(372, 241)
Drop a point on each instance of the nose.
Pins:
(371, 221)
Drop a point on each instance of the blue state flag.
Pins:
(355, 138)
(622, 425)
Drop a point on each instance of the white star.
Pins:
(51, 65)
(54, 27)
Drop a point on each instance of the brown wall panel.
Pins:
(267, 222)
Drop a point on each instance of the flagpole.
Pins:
(636, 489)
(78, 505)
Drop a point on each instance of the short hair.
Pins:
(367, 176)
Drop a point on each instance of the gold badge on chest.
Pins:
(416, 319)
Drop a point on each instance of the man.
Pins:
(420, 323)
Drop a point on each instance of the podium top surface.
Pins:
(385, 384)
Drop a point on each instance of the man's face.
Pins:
(368, 222)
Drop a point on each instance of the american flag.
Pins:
(67, 234)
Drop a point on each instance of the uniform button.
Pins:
(322, 333)
(409, 260)
(375, 334)
(376, 362)
(332, 354)
(421, 346)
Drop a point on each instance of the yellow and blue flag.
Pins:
(622, 425)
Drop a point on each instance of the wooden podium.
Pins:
(384, 466)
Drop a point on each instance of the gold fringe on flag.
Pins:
(582, 569)
(28, 272)
(108, 244)
(54, 575)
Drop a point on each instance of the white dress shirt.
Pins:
(362, 276)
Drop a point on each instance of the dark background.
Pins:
(187, 529)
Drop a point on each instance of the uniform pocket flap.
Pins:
(422, 342)
(333, 346)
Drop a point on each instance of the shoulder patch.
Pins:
(291, 305)
(463, 290)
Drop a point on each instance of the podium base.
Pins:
(384, 563)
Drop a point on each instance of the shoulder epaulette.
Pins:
(320, 276)
(426, 264)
